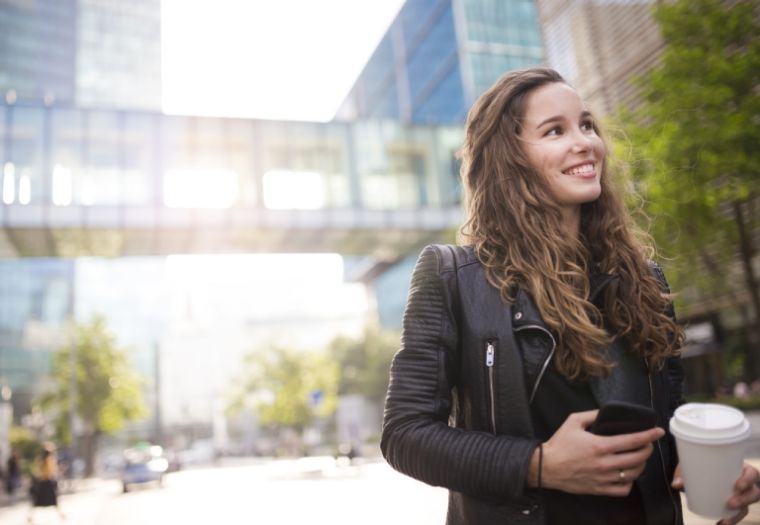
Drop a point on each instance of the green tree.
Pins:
(286, 388)
(107, 390)
(365, 362)
(695, 155)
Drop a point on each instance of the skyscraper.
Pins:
(439, 55)
(88, 53)
(38, 50)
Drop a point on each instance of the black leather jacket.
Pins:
(457, 414)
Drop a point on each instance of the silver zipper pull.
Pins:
(489, 354)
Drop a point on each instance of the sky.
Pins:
(268, 59)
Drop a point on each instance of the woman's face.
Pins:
(558, 138)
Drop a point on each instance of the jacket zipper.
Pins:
(659, 448)
(546, 362)
(490, 359)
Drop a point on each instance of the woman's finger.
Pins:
(735, 519)
(677, 483)
(626, 442)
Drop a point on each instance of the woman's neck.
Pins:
(572, 220)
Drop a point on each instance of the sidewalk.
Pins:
(64, 488)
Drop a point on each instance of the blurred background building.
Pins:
(600, 47)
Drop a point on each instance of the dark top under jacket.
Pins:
(555, 400)
(458, 410)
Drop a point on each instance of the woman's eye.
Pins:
(556, 130)
(587, 125)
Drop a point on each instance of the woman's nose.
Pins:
(581, 141)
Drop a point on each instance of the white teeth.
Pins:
(580, 170)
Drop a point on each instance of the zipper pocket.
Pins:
(490, 359)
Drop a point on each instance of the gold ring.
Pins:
(622, 474)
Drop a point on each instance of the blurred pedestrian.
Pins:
(12, 472)
(550, 309)
(44, 489)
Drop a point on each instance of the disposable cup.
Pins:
(710, 439)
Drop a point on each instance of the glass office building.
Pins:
(87, 53)
(119, 54)
(36, 299)
(438, 56)
(38, 43)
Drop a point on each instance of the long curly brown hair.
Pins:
(516, 228)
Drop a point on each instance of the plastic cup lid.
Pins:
(709, 423)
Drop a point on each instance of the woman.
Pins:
(549, 310)
(45, 482)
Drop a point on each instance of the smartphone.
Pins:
(619, 417)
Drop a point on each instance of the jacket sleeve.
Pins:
(416, 438)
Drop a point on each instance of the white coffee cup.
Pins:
(710, 441)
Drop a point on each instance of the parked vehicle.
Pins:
(143, 464)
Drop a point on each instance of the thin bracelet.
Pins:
(540, 464)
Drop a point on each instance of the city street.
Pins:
(308, 490)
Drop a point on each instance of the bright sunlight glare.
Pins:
(299, 190)
(200, 188)
(283, 60)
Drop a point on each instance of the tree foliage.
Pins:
(694, 144)
(287, 387)
(107, 390)
(365, 362)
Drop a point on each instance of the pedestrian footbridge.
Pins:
(113, 183)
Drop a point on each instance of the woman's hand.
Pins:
(580, 462)
(745, 492)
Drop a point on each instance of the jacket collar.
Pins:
(622, 383)
(525, 312)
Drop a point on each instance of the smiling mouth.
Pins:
(584, 170)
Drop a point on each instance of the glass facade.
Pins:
(60, 158)
(35, 301)
(38, 50)
(119, 54)
(89, 53)
(439, 55)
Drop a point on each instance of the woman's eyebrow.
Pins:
(559, 118)
(555, 118)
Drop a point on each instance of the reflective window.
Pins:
(445, 102)
(3, 132)
(302, 152)
(101, 182)
(66, 152)
(26, 156)
(448, 142)
(239, 152)
(426, 61)
(392, 165)
(413, 16)
(140, 159)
